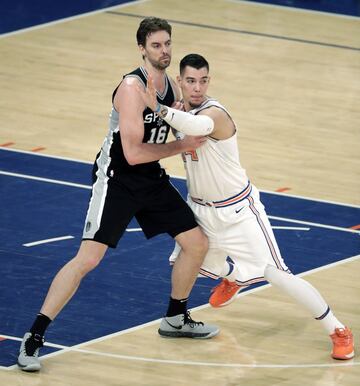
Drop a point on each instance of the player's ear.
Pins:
(142, 50)
(178, 80)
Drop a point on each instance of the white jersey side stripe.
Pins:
(266, 234)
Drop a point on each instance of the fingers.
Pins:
(200, 138)
(151, 92)
(150, 84)
(196, 137)
(193, 142)
(178, 106)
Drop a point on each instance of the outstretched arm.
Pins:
(130, 105)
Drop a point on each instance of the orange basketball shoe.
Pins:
(343, 343)
(224, 293)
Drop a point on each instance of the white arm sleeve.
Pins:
(187, 123)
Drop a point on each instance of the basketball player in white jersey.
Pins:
(228, 208)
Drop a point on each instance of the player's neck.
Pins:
(156, 73)
(189, 107)
(158, 76)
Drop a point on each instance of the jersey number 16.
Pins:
(158, 134)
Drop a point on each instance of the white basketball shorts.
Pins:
(241, 231)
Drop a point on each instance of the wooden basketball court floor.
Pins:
(291, 80)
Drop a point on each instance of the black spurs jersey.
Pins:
(111, 158)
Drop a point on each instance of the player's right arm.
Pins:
(189, 124)
(130, 105)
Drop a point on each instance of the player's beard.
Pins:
(195, 105)
(161, 64)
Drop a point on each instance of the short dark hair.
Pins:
(193, 60)
(150, 25)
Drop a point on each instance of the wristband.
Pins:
(158, 108)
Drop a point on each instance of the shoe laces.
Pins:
(221, 286)
(191, 322)
(342, 336)
(33, 343)
(225, 286)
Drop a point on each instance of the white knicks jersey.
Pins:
(213, 170)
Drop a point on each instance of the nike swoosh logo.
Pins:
(176, 327)
(238, 210)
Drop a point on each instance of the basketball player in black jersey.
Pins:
(128, 181)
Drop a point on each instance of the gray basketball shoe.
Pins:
(28, 359)
(182, 326)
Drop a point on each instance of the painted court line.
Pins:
(48, 156)
(70, 18)
(291, 228)
(60, 182)
(275, 193)
(78, 348)
(296, 9)
(273, 227)
(134, 230)
(42, 179)
(205, 364)
(315, 224)
(176, 176)
(243, 32)
(61, 238)
(48, 241)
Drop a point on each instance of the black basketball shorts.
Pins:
(112, 207)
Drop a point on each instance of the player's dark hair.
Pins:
(193, 60)
(150, 25)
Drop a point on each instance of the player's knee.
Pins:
(203, 245)
(86, 264)
(88, 257)
(270, 271)
(273, 274)
(197, 246)
(267, 271)
(91, 263)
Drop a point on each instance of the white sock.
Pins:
(305, 294)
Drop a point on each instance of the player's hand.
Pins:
(149, 94)
(191, 142)
(178, 105)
